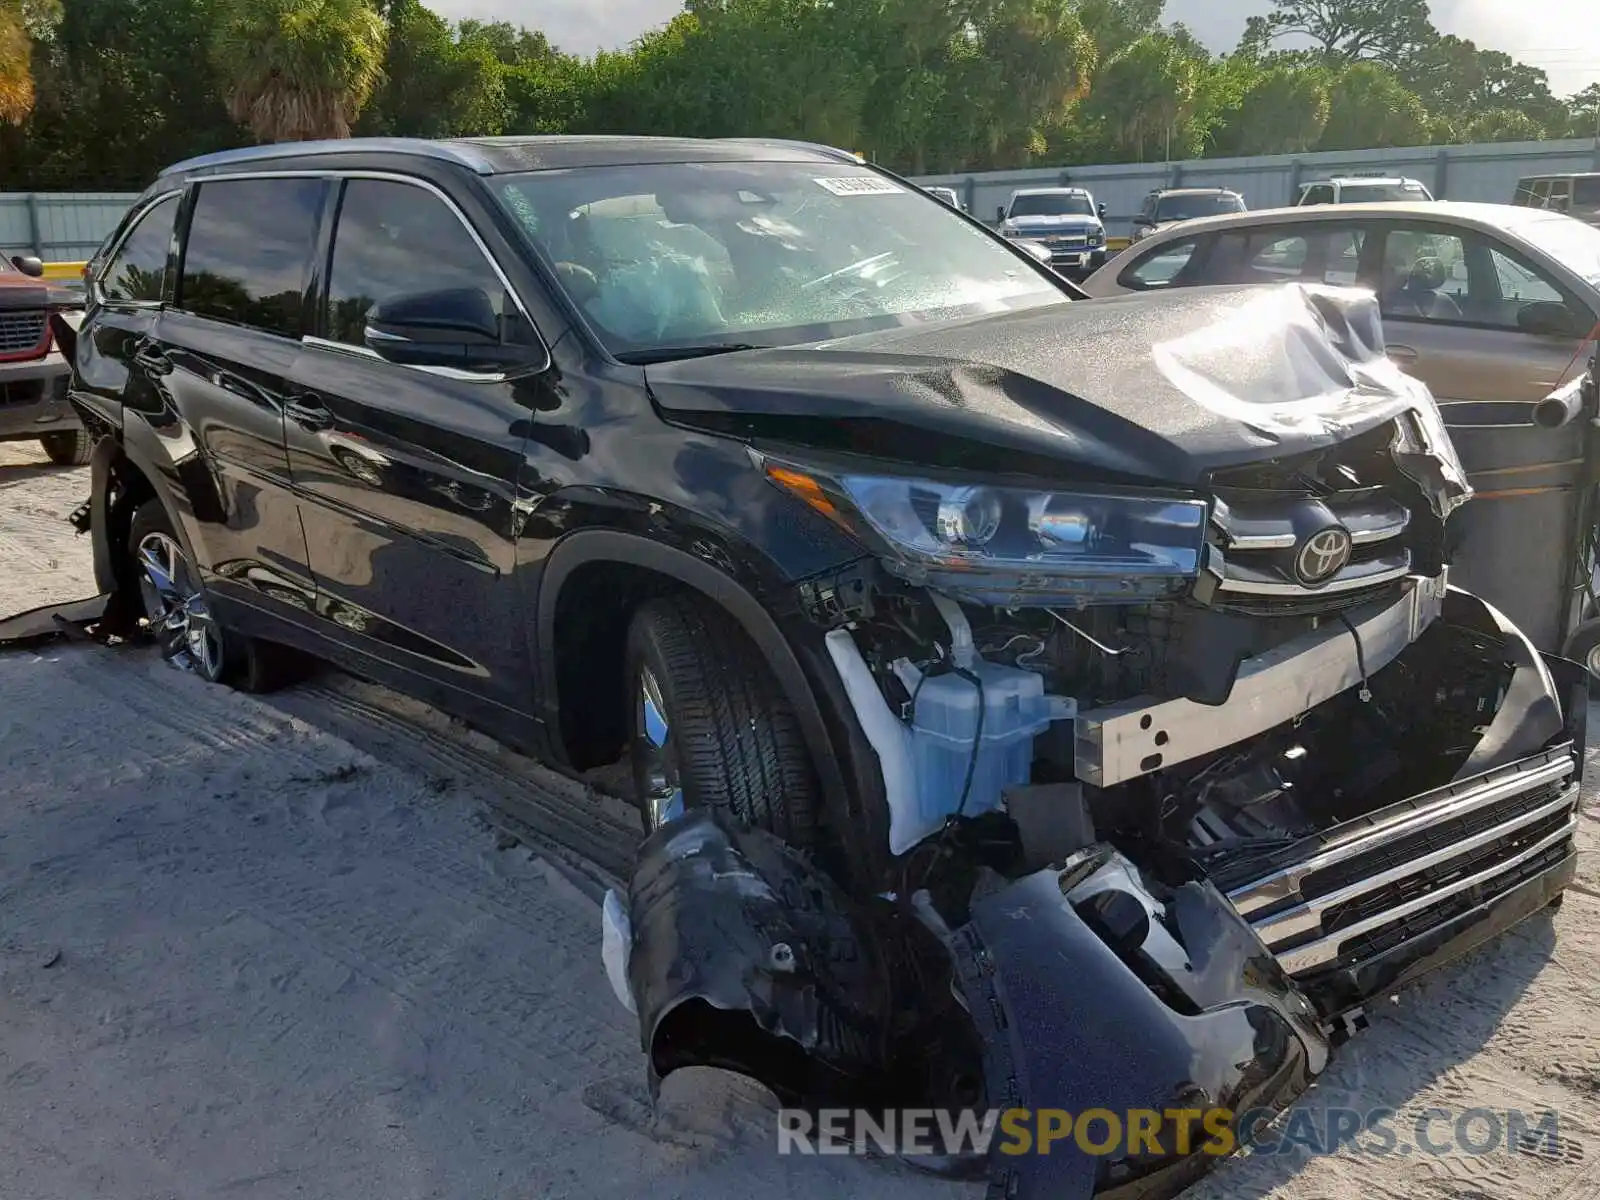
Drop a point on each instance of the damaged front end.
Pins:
(1176, 779)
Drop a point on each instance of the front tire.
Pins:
(710, 727)
(68, 447)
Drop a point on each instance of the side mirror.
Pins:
(28, 264)
(1550, 319)
(453, 327)
(1000, 215)
(1101, 210)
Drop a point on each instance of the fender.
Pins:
(847, 792)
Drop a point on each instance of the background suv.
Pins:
(1362, 189)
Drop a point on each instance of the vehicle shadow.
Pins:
(1409, 1061)
(11, 474)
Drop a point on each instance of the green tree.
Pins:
(1452, 75)
(125, 87)
(1117, 24)
(1503, 125)
(435, 85)
(298, 69)
(1585, 112)
(1346, 31)
(1144, 97)
(1368, 107)
(1284, 111)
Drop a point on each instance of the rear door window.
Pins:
(1586, 192)
(1429, 274)
(137, 272)
(249, 251)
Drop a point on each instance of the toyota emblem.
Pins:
(1322, 555)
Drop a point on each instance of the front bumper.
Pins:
(1139, 990)
(33, 398)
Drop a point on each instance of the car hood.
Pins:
(1163, 388)
(1076, 223)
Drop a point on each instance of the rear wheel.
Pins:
(68, 447)
(181, 619)
(710, 727)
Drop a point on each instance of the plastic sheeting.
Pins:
(1308, 361)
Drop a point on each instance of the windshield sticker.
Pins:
(860, 185)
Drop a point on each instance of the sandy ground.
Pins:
(291, 950)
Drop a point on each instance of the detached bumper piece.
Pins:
(1077, 988)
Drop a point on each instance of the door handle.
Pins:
(149, 358)
(1402, 355)
(308, 412)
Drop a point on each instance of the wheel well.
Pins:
(596, 603)
(127, 488)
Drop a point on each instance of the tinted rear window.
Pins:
(1586, 191)
(1381, 193)
(250, 244)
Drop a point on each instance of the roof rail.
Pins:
(818, 147)
(422, 147)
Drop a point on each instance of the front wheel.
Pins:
(1583, 647)
(710, 727)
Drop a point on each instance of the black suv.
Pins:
(907, 594)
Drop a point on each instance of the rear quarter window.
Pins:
(1160, 269)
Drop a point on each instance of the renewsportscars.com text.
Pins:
(913, 1132)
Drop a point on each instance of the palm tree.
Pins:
(298, 69)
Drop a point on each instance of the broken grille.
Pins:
(1395, 875)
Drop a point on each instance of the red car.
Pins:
(33, 374)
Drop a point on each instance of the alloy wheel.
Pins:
(176, 608)
(1592, 661)
(655, 757)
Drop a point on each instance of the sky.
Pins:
(1562, 36)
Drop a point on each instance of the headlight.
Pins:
(1008, 546)
(1004, 232)
(1096, 236)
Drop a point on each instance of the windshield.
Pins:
(692, 256)
(1381, 193)
(1187, 208)
(1571, 243)
(1052, 204)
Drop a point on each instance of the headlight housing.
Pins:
(1097, 237)
(1012, 546)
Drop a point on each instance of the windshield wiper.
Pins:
(660, 354)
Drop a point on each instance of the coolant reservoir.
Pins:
(944, 728)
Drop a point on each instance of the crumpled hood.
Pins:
(1164, 387)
